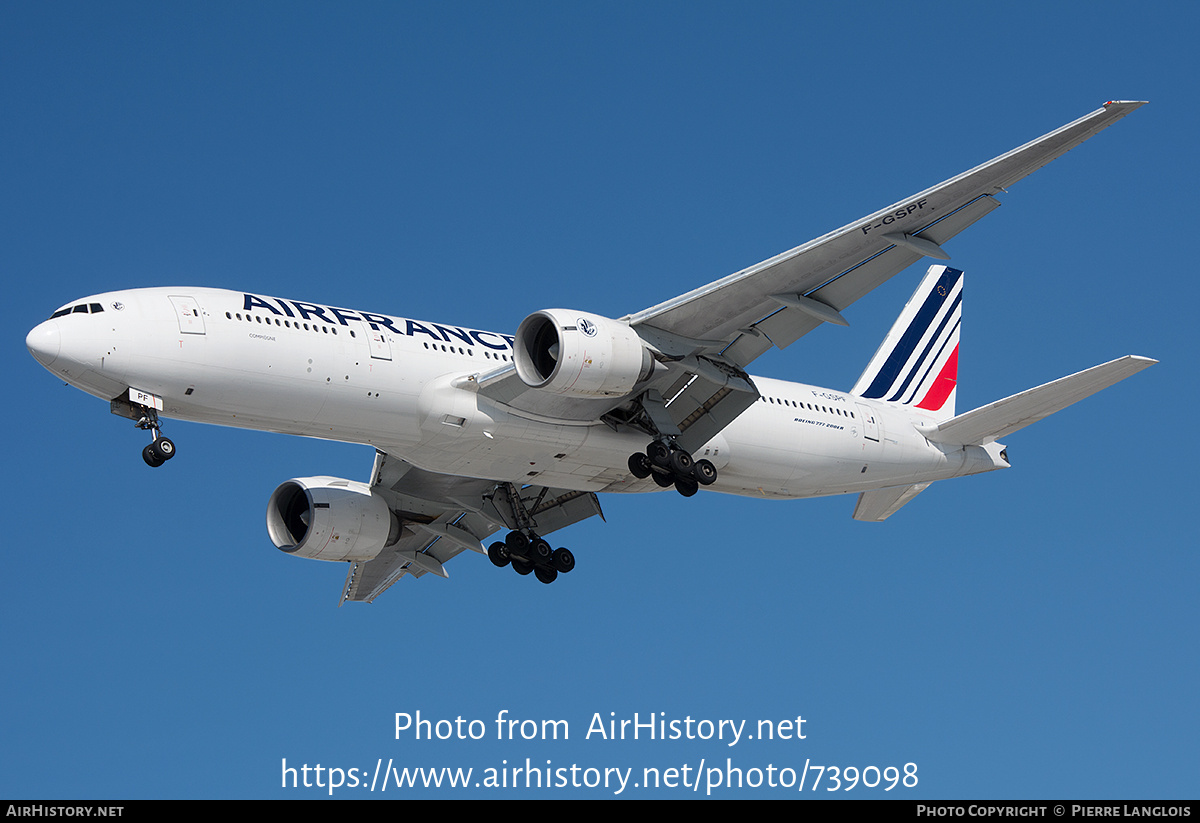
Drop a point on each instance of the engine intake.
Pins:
(327, 518)
(580, 354)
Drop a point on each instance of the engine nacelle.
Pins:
(327, 518)
(580, 354)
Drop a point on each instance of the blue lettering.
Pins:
(414, 326)
(478, 335)
(459, 333)
(343, 315)
(250, 302)
(373, 319)
(307, 309)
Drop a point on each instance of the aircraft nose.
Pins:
(44, 342)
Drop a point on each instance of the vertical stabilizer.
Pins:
(917, 363)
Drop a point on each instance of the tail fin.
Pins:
(917, 363)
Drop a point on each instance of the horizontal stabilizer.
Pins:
(874, 506)
(1002, 418)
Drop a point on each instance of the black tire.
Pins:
(686, 486)
(658, 453)
(151, 457)
(704, 472)
(564, 561)
(681, 463)
(518, 544)
(663, 480)
(546, 575)
(521, 566)
(540, 552)
(498, 554)
(164, 448)
(639, 466)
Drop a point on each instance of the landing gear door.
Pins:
(187, 311)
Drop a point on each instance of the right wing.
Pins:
(779, 300)
(442, 516)
(703, 340)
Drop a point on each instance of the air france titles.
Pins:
(649, 727)
(397, 325)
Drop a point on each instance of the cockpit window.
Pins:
(82, 308)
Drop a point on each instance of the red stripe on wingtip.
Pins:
(943, 384)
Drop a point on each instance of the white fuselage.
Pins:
(258, 362)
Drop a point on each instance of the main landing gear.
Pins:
(669, 465)
(530, 553)
(161, 449)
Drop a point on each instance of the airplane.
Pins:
(477, 432)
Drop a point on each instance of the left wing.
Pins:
(442, 516)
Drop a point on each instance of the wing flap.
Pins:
(1000, 419)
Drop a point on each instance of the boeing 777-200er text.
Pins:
(476, 431)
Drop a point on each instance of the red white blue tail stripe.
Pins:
(917, 363)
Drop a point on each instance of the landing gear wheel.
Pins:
(521, 567)
(681, 463)
(540, 552)
(639, 466)
(164, 448)
(663, 480)
(517, 544)
(545, 575)
(563, 561)
(704, 472)
(160, 449)
(686, 486)
(498, 554)
(658, 453)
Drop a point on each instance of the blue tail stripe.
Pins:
(913, 334)
(933, 361)
(921, 361)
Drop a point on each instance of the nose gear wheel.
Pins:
(161, 449)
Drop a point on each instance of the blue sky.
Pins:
(1029, 633)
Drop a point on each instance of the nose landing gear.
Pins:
(161, 449)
